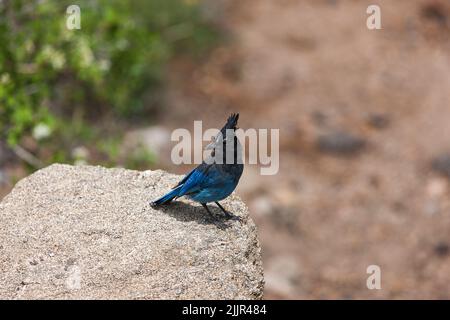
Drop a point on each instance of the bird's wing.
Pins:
(201, 168)
(204, 176)
(184, 179)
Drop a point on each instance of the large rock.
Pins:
(89, 232)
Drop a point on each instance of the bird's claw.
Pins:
(236, 218)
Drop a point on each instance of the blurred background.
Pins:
(363, 118)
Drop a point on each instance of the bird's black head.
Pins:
(226, 140)
(231, 123)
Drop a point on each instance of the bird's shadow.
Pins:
(186, 212)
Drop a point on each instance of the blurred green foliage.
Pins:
(117, 59)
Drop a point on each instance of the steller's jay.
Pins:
(214, 179)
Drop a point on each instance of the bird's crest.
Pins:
(231, 122)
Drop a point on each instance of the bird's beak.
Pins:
(211, 146)
(214, 142)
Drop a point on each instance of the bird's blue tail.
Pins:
(167, 197)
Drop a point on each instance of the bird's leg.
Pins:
(224, 211)
(207, 209)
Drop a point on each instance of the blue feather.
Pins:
(167, 197)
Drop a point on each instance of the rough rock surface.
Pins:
(89, 233)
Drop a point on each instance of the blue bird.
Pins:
(216, 177)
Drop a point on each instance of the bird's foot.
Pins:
(228, 215)
(235, 218)
(214, 218)
(210, 214)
